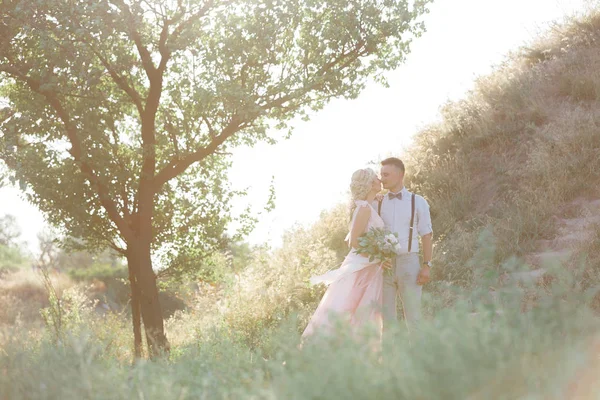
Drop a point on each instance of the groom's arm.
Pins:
(425, 230)
(424, 273)
(427, 241)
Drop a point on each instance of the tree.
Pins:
(120, 112)
(11, 254)
(9, 230)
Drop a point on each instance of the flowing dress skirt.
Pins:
(355, 294)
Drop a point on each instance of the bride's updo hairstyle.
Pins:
(361, 183)
(360, 186)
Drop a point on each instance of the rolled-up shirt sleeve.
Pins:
(424, 226)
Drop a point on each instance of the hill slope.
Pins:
(520, 156)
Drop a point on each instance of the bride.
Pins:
(355, 289)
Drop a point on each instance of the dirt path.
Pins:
(573, 231)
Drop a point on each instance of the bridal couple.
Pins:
(363, 292)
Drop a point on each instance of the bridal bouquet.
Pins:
(379, 244)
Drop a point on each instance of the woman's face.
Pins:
(376, 186)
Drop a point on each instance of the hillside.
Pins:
(520, 157)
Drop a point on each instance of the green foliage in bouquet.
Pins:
(379, 244)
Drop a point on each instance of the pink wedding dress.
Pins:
(355, 291)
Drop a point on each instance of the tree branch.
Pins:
(122, 165)
(6, 113)
(162, 47)
(176, 167)
(211, 131)
(120, 81)
(193, 18)
(351, 56)
(172, 135)
(116, 248)
(137, 39)
(76, 149)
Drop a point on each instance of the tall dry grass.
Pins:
(515, 152)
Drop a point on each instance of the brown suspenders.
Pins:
(412, 219)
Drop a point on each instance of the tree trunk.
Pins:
(147, 293)
(135, 311)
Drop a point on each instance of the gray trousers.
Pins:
(402, 282)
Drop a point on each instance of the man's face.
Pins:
(391, 176)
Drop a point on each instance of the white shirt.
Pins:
(396, 215)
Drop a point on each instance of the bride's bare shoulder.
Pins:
(363, 212)
(361, 203)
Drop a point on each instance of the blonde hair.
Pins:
(361, 183)
(360, 186)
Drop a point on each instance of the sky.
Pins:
(311, 170)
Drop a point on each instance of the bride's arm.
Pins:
(360, 225)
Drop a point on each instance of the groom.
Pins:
(400, 210)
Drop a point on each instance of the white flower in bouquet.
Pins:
(378, 244)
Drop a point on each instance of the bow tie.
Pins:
(393, 196)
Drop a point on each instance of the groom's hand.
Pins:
(423, 276)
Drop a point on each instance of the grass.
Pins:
(22, 295)
(456, 355)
